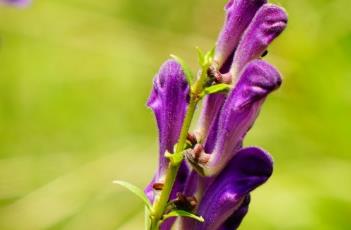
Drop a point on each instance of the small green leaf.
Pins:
(200, 55)
(218, 88)
(137, 191)
(183, 213)
(186, 69)
(209, 56)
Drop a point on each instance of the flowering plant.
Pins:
(211, 188)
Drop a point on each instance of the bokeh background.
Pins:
(74, 79)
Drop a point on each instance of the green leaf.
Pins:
(183, 213)
(137, 191)
(200, 55)
(186, 69)
(218, 88)
(209, 56)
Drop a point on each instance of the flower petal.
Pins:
(239, 14)
(235, 219)
(269, 21)
(240, 110)
(248, 169)
(168, 100)
(149, 190)
(207, 127)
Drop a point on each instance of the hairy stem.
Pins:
(161, 203)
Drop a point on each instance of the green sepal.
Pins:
(186, 69)
(209, 56)
(176, 213)
(205, 59)
(200, 56)
(137, 191)
(218, 88)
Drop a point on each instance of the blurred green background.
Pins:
(74, 79)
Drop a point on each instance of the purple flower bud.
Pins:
(16, 2)
(239, 112)
(239, 15)
(226, 200)
(168, 100)
(269, 21)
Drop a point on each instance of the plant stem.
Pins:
(173, 167)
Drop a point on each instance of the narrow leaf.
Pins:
(218, 88)
(209, 56)
(200, 55)
(137, 191)
(183, 213)
(186, 69)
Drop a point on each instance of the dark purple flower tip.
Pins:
(269, 21)
(168, 100)
(239, 113)
(16, 2)
(225, 201)
(234, 221)
(239, 14)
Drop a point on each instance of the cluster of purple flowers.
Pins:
(216, 180)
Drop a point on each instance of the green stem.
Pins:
(161, 204)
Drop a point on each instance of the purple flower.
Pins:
(239, 14)
(16, 2)
(226, 198)
(238, 114)
(267, 24)
(168, 100)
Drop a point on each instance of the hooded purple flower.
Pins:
(238, 114)
(225, 201)
(168, 100)
(16, 2)
(268, 23)
(239, 15)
